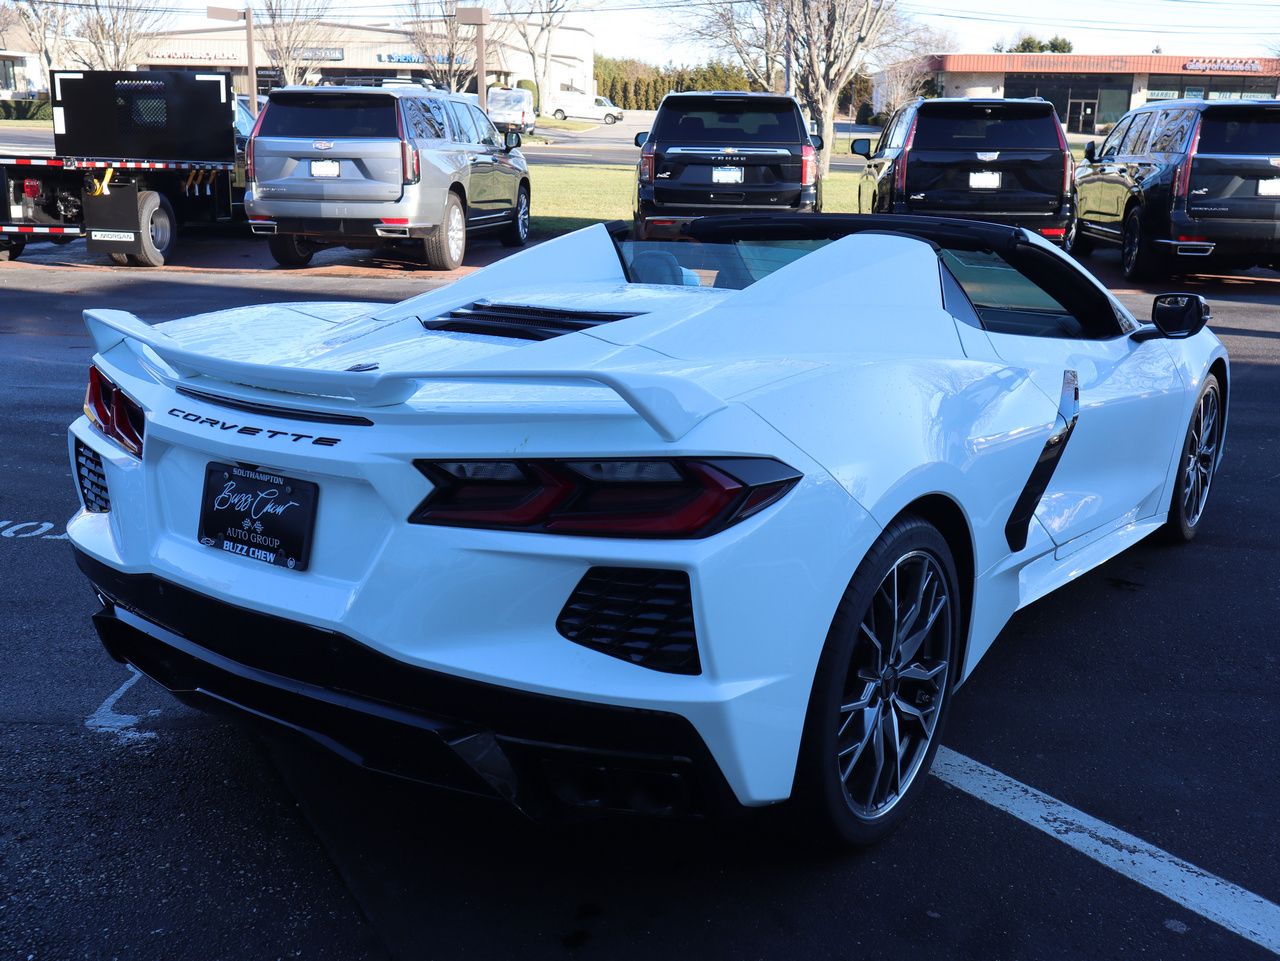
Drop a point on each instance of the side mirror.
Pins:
(1091, 150)
(641, 138)
(1180, 315)
(512, 139)
(861, 147)
(816, 140)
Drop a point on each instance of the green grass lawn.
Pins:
(27, 124)
(569, 196)
(551, 123)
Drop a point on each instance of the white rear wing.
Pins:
(671, 405)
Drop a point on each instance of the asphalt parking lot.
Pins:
(1125, 722)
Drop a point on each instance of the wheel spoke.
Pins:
(848, 757)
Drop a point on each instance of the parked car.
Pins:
(658, 528)
(400, 165)
(566, 104)
(1002, 161)
(511, 108)
(1180, 184)
(720, 153)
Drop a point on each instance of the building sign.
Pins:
(1225, 66)
(191, 55)
(310, 53)
(461, 59)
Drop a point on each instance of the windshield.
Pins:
(718, 119)
(730, 266)
(504, 98)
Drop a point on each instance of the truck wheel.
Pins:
(445, 246)
(559, 115)
(288, 250)
(159, 229)
(610, 118)
(121, 259)
(11, 249)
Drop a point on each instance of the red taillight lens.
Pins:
(646, 163)
(612, 498)
(114, 413)
(808, 166)
(248, 148)
(1053, 231)
(1184, 239)
(31, 188)
(900, 166)
(409, 160)
(1182, 182)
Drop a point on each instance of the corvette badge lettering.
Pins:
(252, 431)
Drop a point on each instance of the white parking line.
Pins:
(1236, 909)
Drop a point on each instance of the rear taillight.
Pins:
(1053, 231)
(900, 166)
(646, 163)
(248, 149)
(31, 188)
(409, 160)
(613, 498)
(808, 165)
(1068, 161)
(114, 413)
(1182, 181)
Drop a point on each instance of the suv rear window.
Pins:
(348, 115)
(713, 119)
(1241, 132)
(971, 126)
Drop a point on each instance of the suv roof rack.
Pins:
(387, 81)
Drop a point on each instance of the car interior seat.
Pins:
(656, 267)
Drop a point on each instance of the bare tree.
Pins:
(114, 33)
(293, 31)
(535, 22)
(830, 39)
(904, 49)
(47, 24)
(753, 32)
(448, 48)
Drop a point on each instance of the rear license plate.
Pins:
(1269, 188)
(726, 175)
(257, 514)
(984, 179)
(326, 168)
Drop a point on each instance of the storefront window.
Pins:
(1210, 87)
(1083, 101)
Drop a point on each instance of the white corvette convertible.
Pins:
(670, 528)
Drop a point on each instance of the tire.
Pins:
(1197, 464)
(1138, 255)
(120, 260)
(11, 249)
(1074, 242)
(159, 229)
(610, 119)
(559, 115)
(877, 711)
(446, 245)
(517, 232)
(289, 250)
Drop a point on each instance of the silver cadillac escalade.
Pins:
(373, 166)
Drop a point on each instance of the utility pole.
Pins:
(478, 17)
(227, 13)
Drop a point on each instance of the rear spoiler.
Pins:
(671, 405)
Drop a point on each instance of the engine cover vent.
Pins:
(518, 320)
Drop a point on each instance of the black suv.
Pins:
(1181, 183)
(1004, 161)
(724, 152)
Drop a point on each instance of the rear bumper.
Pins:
(1052, 225)
(1243, 241)
(340, 230)
(654, 221)
(552, 758)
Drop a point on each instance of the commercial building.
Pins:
(19, 63)
(1093, 91)
(346, 50)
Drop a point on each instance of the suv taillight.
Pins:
(900, 166)
(1182, 181)
(646, 163)
(808, 165)
(248, 148)
(667, 497)
(114, 413)
(1068, 161)
(408, 152)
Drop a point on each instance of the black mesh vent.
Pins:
(93, 482)
(516, 320)
(640, 615)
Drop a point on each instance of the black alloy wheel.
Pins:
(1073, 241)
(882, 689)
(1138, 256)
(1197, 463)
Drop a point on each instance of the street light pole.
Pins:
(228, 13)
(478, 17)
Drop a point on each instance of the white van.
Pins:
(511, 108)
(566, 103)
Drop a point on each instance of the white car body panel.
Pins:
(810, 366)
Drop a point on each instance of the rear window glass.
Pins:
(505, 98)
(1241, 132)
(309, 115)
(707, 119)
(977, 127)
